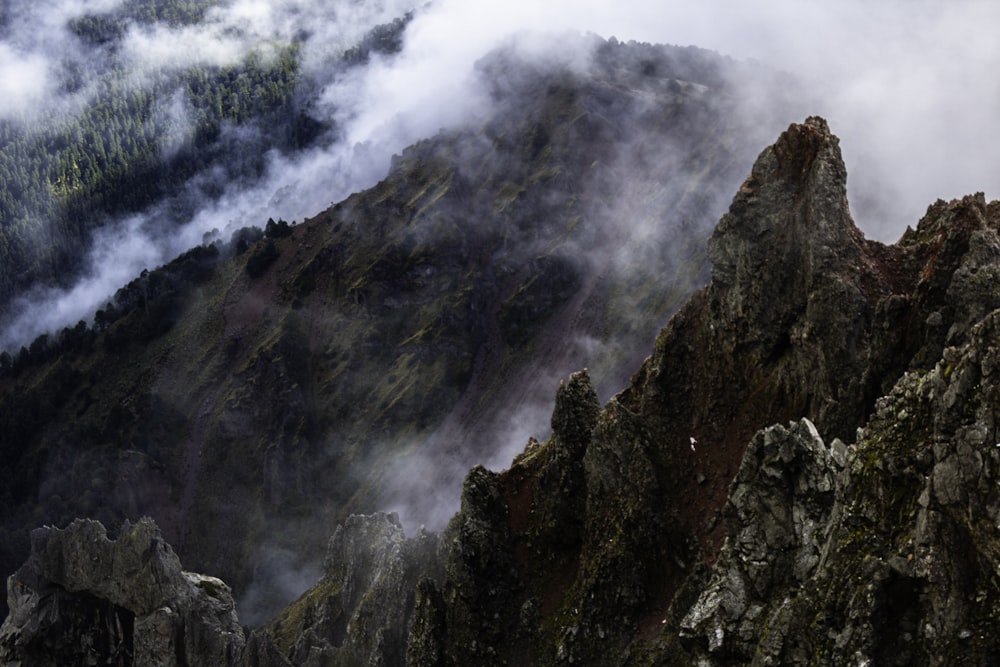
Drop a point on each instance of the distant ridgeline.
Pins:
(63, 175)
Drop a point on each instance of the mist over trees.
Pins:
(145, 138)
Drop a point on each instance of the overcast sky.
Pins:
(910, 86)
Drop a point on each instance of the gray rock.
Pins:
(778, 512)
(83, 598)
(360, 612)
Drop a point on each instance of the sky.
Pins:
(911, 83)
(909, 86)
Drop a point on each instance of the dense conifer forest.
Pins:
(141, 138)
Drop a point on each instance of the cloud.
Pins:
(24, 81)
(151, 49)
(887, 77)
(230, 31)
(909, 86)
(280, 575)
(118, 255)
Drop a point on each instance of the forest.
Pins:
(141, 141)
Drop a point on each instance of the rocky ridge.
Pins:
(804, 471)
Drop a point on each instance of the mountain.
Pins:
(251, 395)
(802, 472)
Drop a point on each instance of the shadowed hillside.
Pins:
(250, 395)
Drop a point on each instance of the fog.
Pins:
(908, 86)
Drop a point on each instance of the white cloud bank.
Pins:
(24, 81)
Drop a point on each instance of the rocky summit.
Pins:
(84, 599)
(804, 471)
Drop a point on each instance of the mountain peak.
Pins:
(806, 144)
(792, 277)
(791, 210)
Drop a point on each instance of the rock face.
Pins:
(888, 556)
(804, 471)
(85, 599)
(359, 612)
(777, 516)
(682, 526)
(791, 280)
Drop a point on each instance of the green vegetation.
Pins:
(125, 152)
(142, 136)
(287, 626)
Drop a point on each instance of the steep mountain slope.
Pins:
(678, 524)
(674, 526)
(249, 396)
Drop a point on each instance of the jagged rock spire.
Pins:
(792, 276)
(796, 191)
(789, 219)
(576, 410)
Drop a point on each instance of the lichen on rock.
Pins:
(778, 514)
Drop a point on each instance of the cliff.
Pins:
(84, 599)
